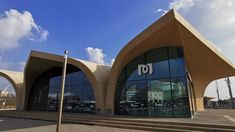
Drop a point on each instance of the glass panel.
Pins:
(39, 99)
(155, 97)
(78, 94)
(89, 100)
(154, 94)
(159, 98)
(76, 97)
(177, 67)
(175, 52)
(159, 59)
(132, 69)
(67, 106)
(79, 78)
(53, 95)
(181, 100)
(136, 98)
(120, 99)
(68, 79)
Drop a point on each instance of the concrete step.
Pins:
(143, 128)
(147, 125)
(169, 126)
(190, 124)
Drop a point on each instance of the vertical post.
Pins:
(217, 90)
(62, 91)
(230, 92)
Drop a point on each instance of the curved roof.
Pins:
(39, 62)
(16, 79)
(99, 71)
(203, 61)
(13, 77)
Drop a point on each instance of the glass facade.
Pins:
(78, 94)
(154, 84)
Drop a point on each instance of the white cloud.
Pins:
(178, 4)
(160, 10)
(15, 26)
(96, 55)
(44, 35)
(215, 19)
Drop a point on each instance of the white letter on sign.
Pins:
(148, 68)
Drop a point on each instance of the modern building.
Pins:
(162, 72)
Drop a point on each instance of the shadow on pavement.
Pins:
(8, 123)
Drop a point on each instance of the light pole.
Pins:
(230, 92)
(62, 91)
(217, 90)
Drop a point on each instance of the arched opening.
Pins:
(217, 94)
(154, 84)
(78, 97)
(7, 94)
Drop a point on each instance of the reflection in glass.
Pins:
(181, 100)
(159, 98)
(162, 93)
(159, 59)
(131, 69)
(120, 99)
(78, 94)
(136, 98)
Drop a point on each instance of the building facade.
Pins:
(162, 72)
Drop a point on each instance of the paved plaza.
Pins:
(212, 116)
(7, 124)
(27, 125)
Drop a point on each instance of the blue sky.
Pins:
(75, 25)
(105, 26)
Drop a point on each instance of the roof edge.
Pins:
(40, 54)
(147, 32)
(200, 37)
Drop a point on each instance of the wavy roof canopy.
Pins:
(203, 61)
(40, 62)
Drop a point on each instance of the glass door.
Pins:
(160, 98)
(136, 99)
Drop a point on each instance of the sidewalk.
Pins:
(26, 125)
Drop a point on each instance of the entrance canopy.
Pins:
(39, 62)
(203, 61)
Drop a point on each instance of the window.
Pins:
(78, 95)
(162, 93)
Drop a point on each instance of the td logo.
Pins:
(144, 69)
